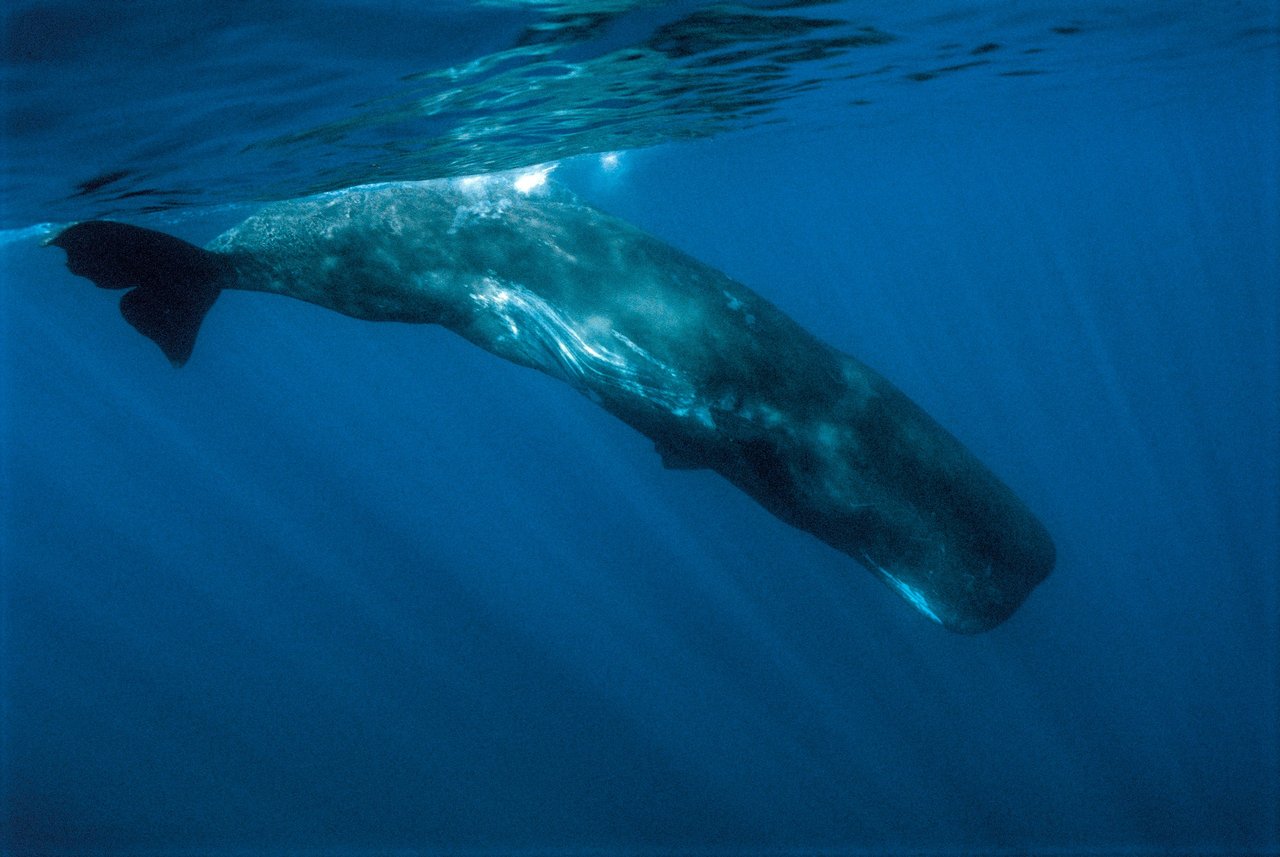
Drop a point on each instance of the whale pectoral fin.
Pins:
(676, 457)
(173, 284)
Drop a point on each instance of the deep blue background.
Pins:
(337, 585)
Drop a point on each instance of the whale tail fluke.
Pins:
(172, 283)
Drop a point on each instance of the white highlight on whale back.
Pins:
(529, 181)
(591, 356)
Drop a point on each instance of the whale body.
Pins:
(714, 374)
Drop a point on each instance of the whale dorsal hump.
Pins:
(172, 283)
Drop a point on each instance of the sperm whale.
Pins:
(715, 375)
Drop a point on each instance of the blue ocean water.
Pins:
(341, 587)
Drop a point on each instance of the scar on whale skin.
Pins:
(716, 376)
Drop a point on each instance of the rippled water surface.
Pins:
(112, 110)
(351, 587)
